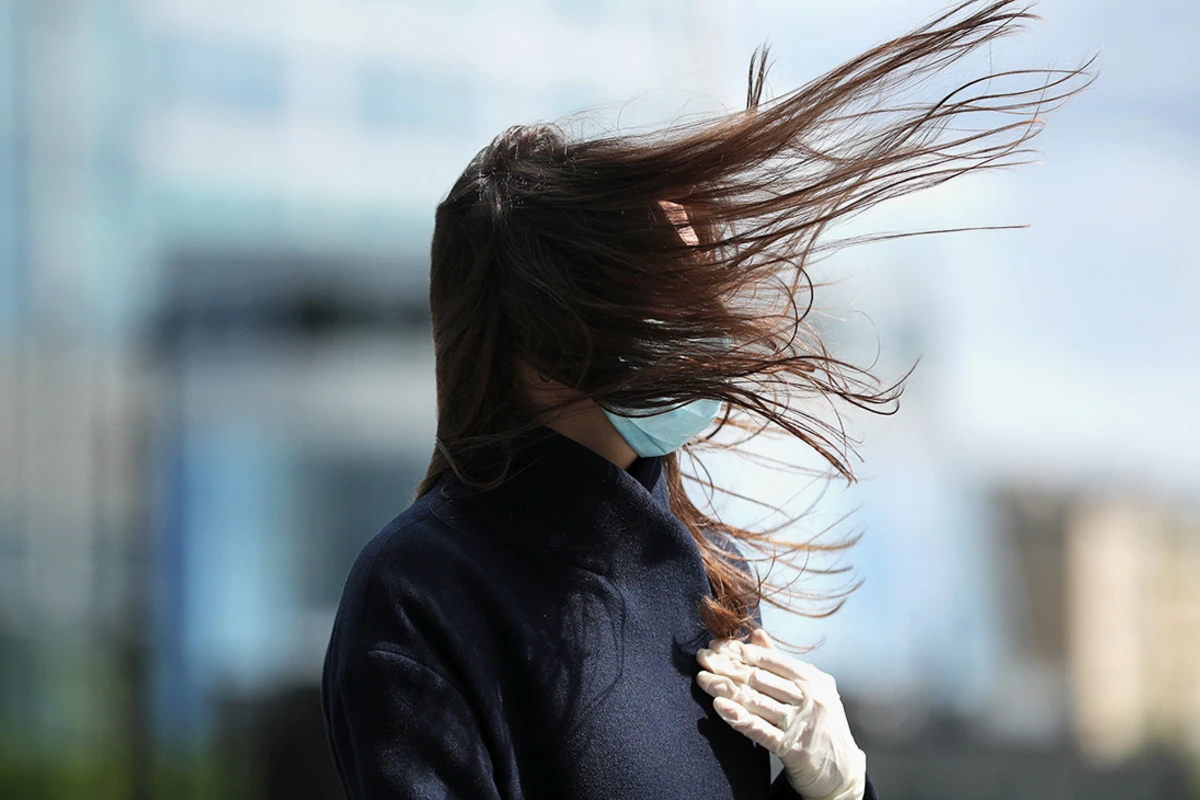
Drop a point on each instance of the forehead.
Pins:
(678, 215)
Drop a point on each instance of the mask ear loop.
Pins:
(724, 420)
(721, 424)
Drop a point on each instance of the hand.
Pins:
(789, 707)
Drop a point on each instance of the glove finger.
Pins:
(779, 688)
(722, 664)
(760, 637)
(750, 725)
(775, 660)
(748, 697)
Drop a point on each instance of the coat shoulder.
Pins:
(404, 567)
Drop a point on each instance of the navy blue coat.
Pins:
(533, 641)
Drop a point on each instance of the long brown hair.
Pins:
(557, 252)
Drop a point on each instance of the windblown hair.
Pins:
(558, 253)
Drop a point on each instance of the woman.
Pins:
(553, 617)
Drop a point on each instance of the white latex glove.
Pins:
(789, 707)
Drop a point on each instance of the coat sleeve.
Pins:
(405, 732)
(782, 790)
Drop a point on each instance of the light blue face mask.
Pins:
(667, 431)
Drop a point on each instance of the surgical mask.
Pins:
(667, 431)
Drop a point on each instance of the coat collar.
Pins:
(566, 498)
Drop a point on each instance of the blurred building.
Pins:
(1133, 605)
(1103, 623)
(1098, 695)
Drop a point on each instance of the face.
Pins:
(584, 420)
